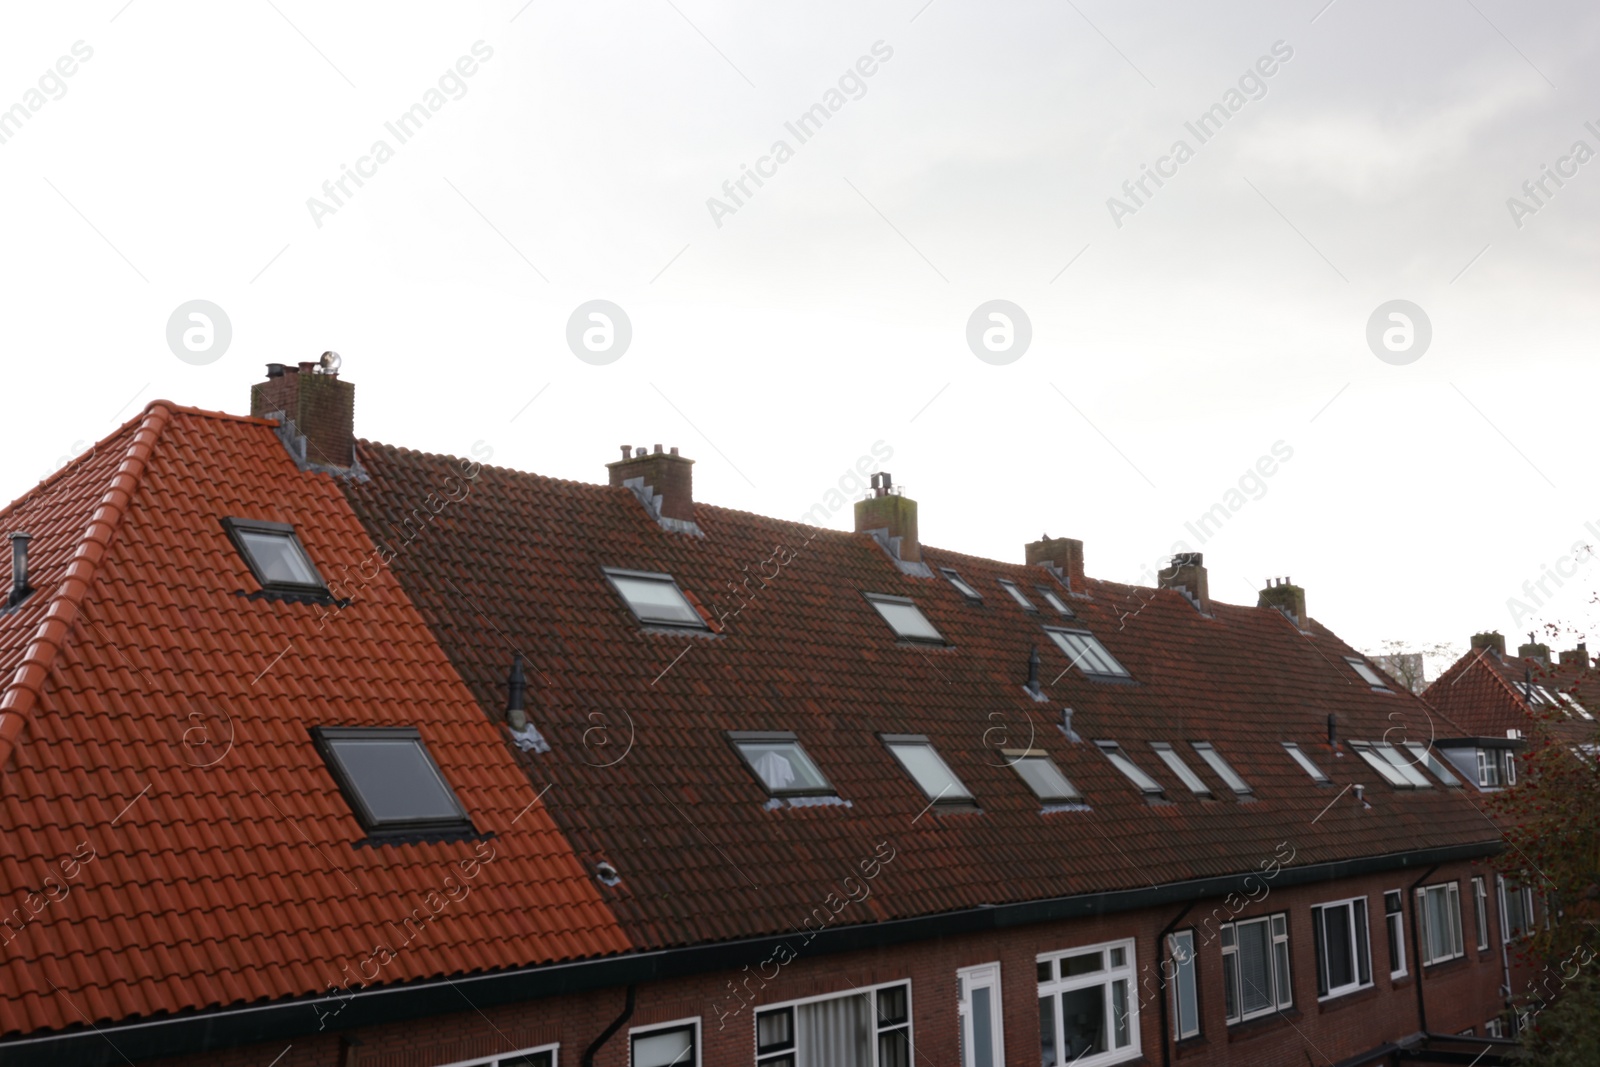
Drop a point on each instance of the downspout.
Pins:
(1161, 977)
(610, 1031)
(1505, 954)
(1416, 946)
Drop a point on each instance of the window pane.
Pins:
(278, 557)
(1280, 953)
(1119, 1013)
(1338, 963)
(1426, 757)
(1405, 766)
(907, 620)
(1086, 963)
(657, 600)
(1044, 779)
(839, 1031)
(930, 772)
(1305, 761)
(894, 1049)
(1087, 653)
(395, 779)
(1358, 930)
(671, 1048)
(982, 1028)
(774, 1030)
(892, 1005)
(782, 766)
(1018, 595)
(961, 585)
(1368, 675)
(1047, 1032)
(1224, 770)
(1186, 1011)
(1230, 983)
(1055, 601)
(1387, 770)
(1175, 763)
(1255, 968)
(1120, 760)
(1083, 1021)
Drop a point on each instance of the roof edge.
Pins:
(22, 692)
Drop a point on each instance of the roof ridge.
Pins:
(22, 692)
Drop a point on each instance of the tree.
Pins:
(1408, 665)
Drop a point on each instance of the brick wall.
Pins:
(322, 407)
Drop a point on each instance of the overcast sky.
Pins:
(1176, 339)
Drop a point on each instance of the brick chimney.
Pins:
(1188, 572)
(1287, 597)
(664, 480)
(321, 408)
(1540, 653)
(1064, 554)
(893, 514)
(1493, 640)
(1577, 657)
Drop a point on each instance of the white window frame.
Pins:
(1368, 673)
(1018, 595)
(1352, 906)
(1306, 764)
(1017, 757)
(1222, 768)
(879, 599)
(961, 585)
(1087, 653)
(894, 742)
(986, 975)
(554, 1048)
(1572, 702)
(1184, 772)
(1507, 934)
(1120, 759)
(1390, 773)
(1107, 976)
(1053, 598)
(1394, 928)
(1408, 768)
(871, 992)
(1424, 755)
(1480, 904)
(1180, 945)
(692, 1024)
(1430, 897)
(775, 738)
(612, 574)
(1278, 967)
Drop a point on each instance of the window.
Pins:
(543, 1056)
(1343, 965)
(978, 1012)
(1229, 776)
(1185, 991)
(1439, 922)
(903, 616)
(961, 584)
(1087, 653)
(674, 1045)
(1018, 595)
(389, 780)
(1567, 699)
(275, 556)
(1368, 675)
(1394, 922)
(780, 764)
(1255, 967)
(1088, 1010)
(1425, 756)
(1305, 762)
(655, 599)
(1516, 911)
(1053, 598)
(1042, 776)
(1496, 767)
(1119, 759)
(1407, 768)
(1480, 909)
(1391, 772)
(917, 756)
(862, 1028)
(1175, 763)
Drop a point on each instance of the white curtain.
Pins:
(835, 1033)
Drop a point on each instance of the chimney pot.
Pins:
(674, 450)
(627, 450)
(658, 450)
(274, 370)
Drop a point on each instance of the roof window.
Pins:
(1121, 761)
(655, 599)
(916, 754)
(780, 764)
(1018, 595)
(1087, 653)
(1175, 763)
(389, 780)
(1053, 598)
(1224, 769)
(905, 618)
(1043, 776)
(275, 556)
(962, 585)
(1368, 675)
(1305, 762)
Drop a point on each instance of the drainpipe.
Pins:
(1416, 946)
(610, 1031)
(1161, 977)
(1500, 925)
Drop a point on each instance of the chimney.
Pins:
(1188, 572)
(665, 478)
(894, 514)
(1064, 554)
(1535, 651)
(1287, 597)
(19, 570)
(1577, 657)
(321, 407)
(1492, 640)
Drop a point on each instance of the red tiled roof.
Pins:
(1482, 691)
(702, 857)
(225, 864)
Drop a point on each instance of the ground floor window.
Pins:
(673, 1045)
(543, 1056)
(1255, 967)
(1439, 922)
(1185, 991)
(1088, 1013)
(862, 1028)
(1343, 964)
(1394, 925)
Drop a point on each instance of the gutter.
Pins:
(212, 1029)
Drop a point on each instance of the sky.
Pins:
(1182, 337)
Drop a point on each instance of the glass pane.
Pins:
(961, 586)
(774, 1030)
(1433, 763)
(783, 766)
(1230, 983)
(1131, 770)
(894, 1049)
(1280, 952)
(1305, 762)
(1083, 1022)
(1175, 764)
(395, 779)
(838, 1030)
(1042, 777)
(1185, 994)
(930, 772)
(1338, 963)
(892, 1005)
(670, 1048)
(1086, 963)
(1119, 957)
(1018, 596)
(1047, 1032)
(907, 620)
(1387, 770)
(1404, 766)
(1119, 1013)
(1255, 970)
(1358, 930)
(1438, 933)
(278, 557)
(1056, 602)
(982, 1028)
(1046, 970)
(530, 1059)
(657, 600)
(1224, 770)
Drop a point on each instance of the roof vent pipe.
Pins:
(1033, 670)
(516, 688)
(1333, 730)
(19, 569)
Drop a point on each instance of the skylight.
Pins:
(1398, 759)
(1567, 699)
(780, 764)
(903, 615)
(916, 754)
(1053, 598)
(1119, 759)
(1018, 595)
(274, 555)
(1381, 763)
(389, 779)
(960, 583)
(1368, 675)
(1042, 776)
(1087, 653)
(1305, 761)
(1175, 763)
(1224, 770)
(655, 599)
(1426, 757)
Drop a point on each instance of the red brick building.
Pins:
(386, 758)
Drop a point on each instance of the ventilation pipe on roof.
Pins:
(1033, 670)
(1333, 731)
(19, 569)
(516, 691)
